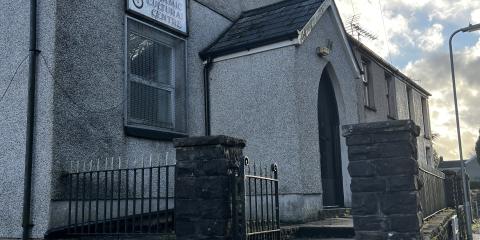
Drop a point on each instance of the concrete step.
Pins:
(331, 228)
(316, 232)
(334, 213)
(323, 238)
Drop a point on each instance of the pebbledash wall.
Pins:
(83, 44)
(14, 52)
(268, 98)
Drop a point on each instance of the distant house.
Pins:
(388, 94)
(472, 168)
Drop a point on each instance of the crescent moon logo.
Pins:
(138, 3)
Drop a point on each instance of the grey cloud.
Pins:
(434, 72)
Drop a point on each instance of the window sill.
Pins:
(373, 109)
(391, 118)
(153, 134)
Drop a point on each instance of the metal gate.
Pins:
(261, 206)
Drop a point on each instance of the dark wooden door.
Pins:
(330, 160)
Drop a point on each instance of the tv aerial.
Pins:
(357, 31)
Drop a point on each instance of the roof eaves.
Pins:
(204, 54)
(388, 65)
(247, 46)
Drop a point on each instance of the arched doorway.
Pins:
(329, 136)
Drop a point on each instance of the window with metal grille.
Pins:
(155, 62)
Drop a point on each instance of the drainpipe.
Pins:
(206, 94)
(27, 189)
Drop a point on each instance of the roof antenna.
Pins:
(356, 30)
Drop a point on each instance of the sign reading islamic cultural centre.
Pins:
(172, 13)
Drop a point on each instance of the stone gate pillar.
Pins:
(384, 170)
(203, 187)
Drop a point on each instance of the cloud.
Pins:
(434, 72)
(475, 16)
(453, 11)
(431, 39)
(391, 28)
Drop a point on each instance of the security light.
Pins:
(471, 28)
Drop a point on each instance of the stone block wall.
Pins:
(384, 170)
(203, 186)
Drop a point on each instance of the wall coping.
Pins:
(433, 226)
(208, 141)
(381, 127)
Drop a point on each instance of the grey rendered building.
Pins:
(115, 83)
(388, 94)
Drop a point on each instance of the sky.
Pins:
(413, 36)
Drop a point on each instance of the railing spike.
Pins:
(166, 158)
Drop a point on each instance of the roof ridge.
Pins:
(274, 6)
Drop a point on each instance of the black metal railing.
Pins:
(432, 191)
(136, 200)
(261, 202)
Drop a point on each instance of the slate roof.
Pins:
(262, 26)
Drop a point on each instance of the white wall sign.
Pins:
(172, 13)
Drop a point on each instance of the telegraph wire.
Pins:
(13, 77)
(70, 98)
(385, 32)
(353, 8)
